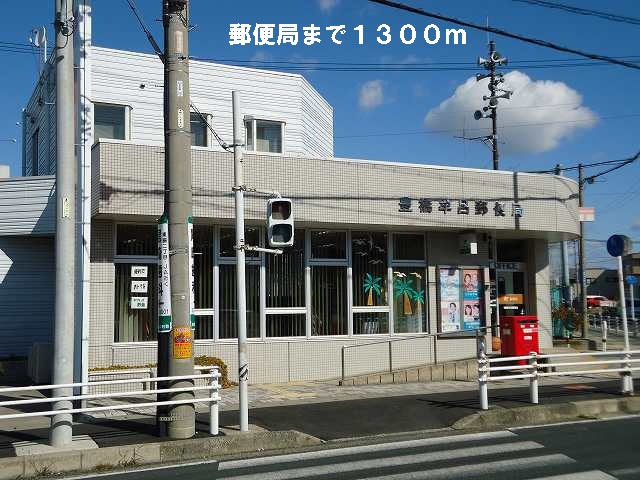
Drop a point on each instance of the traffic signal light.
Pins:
(280, 222)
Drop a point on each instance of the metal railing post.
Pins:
(604, 326)
(342, 360)
(482, 373)
(390, 357)
(533, 382)
(214, 426)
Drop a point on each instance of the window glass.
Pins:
(249, 135)
(408, 246)
(287, 325)
(204, 327)
(285, 275)
(137, 239)
(198, 131)
(328, 244)
(268, 136)
(135, 324)
(409, 309)
(369, 323)
(328, 300)
(109, 121)
(228, 301)
(369, 259)
(203, 266)
(228, 240)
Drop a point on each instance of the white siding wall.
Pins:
(117, 76)
(27, 206)
(26, 293)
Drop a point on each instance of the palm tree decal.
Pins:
(404, 288)
(372, 284)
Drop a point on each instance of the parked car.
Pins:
(599, 301)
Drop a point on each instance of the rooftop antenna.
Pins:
(38, 39)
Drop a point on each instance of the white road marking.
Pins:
(379, 447)
(590, 475)
(441, 455)
(488, 468)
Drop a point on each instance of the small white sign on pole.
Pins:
(139, 286)
(587, 214)
(139, 271)
(139, 303)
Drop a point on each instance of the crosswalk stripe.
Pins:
(356, 465)
(486, 469)
(590, 475)
(379, 447)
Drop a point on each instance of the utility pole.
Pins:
(566, 283)
(175, 339)
(238, 188)
(63, 339)
(495, 79)
(581, 262)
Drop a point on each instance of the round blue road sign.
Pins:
(618, 245)
(631, 280)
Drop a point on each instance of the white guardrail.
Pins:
(212, 386)
(613, 325)
(535, 369)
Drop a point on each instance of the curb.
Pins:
(128, 456)
(543, 414)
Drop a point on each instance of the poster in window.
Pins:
(471, 286)
(450, 299)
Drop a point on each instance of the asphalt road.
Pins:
(591, 450)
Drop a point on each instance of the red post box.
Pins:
(519, 335)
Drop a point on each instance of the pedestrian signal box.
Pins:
(280, 222)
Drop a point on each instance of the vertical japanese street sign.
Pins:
(192, 309)
(164, 283)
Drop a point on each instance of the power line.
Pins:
(158, 51)
(583, 11)
(576, 167)
(504, 33)
(454, 130)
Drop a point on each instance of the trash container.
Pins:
(519, 335)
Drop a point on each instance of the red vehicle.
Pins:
(596, 301)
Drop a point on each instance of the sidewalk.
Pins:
(330, 412)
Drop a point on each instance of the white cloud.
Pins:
(636, 225)
(554, 107)
(371, 94)
(327, 5)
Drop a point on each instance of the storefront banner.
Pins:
(470, 284)
(450, 299)
(192, 306)
(471, 319)
(471, 294)
(164, 283)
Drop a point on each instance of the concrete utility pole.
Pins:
(581, 261)
(494, 115)
(239, 187)
(495, 79)
(175, 348)
(63, 340)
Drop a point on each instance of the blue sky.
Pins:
(588, 113)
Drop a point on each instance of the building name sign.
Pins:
(461, 207)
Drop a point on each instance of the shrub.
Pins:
(202, 360)
(207, 361)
